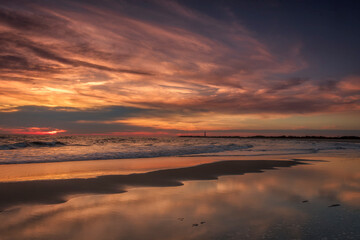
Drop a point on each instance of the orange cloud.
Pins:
(81, 59)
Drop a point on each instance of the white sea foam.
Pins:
(20, 145)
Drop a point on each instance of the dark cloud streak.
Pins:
(11, 40)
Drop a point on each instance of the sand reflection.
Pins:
(251, 206)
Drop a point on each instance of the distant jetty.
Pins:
(273, 137)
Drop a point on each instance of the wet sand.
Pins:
(180, 198)
(59, 190)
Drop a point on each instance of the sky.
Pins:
(167, 67)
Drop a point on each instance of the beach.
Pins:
(275, 189)
(179, 120)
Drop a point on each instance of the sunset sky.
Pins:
(167, 67)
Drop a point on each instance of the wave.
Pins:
(20, 145)
(38, 150)
(146, 152)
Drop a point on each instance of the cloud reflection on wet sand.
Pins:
(252, 206)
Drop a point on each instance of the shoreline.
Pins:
(52, 191)
(31, 171)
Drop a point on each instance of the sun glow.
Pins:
(32, 131)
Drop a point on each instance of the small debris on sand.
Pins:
(202, 222)
(334, 205)
(305, 201)
(181, 219)
(195, 225)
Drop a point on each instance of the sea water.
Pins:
(38, 149)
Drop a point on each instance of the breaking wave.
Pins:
(140, 152)
(20, 145)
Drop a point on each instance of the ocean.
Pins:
(16, 149)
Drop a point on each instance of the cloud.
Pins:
(350, 84)
(178, 53)
(163, 57)
(16, 43)
(32, 131)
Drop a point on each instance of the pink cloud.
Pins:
(32, 131)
